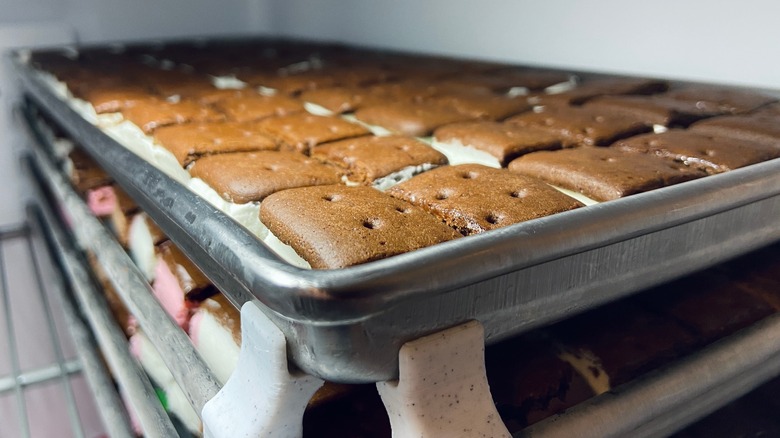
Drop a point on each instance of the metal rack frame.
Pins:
(88, 360)
(345, 325)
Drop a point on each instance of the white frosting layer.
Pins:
(576, 195)
(589, 367)
(247, 214)
(266, 91)
(134, 139)
(141, 245)
(228, 82)
(317, 110)
(216, 344)
(286, 252)
(457, 153)
(375, 129)
(563, 87)
(402, 175)
(659, 129)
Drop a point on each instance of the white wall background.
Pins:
(709, 40)
(712, 40)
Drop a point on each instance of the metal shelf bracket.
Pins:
(262, 397)
(442, 388)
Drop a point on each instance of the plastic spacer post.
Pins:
(262, 397)
(442, 389)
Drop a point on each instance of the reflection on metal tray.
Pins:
(348, 324)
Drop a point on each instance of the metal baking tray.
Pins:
(348, 324)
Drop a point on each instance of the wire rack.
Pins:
(22, 262)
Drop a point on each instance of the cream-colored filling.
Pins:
(589, 367)
(247, 214)
(228, 82)
(400, 176)
(216, 345)
(457, 153)
(141, 246)
(286, 252)
(375, 129)
(564, 86)
(659, 129)
(266, 91)
(317, 110)
(576, 195)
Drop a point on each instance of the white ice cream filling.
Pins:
(457, 153)
(141, 245)
(576, 195)
(317, 110)
(217, 345)
(400, 176)
(286, 252)
(228, 82)
(247, 214)
(589, 367)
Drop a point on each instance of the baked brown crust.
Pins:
(472, 198)
(367, 158)
(334, 227)
(190, 142)
(251, 176)
(602, 86)
(155, 113)
(504, 141)
(410, 118)
(721, 100)
(709, 153)
(483, 106)
(582, 126)
(603, 174)
(249, 107)
(302, 131)
(761, 127)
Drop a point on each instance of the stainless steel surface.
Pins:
(348, 324)
(671, 398)
(187, 367)
(112, 410)
(138, 390)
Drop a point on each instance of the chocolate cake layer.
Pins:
(505, 141)
(582, 126)
(192, 141)
(251, 176)
(366, 159)
(336, 226)
(603, 174)
(301, 132)
(472, 198)
(709, 153)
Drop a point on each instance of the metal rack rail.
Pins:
(178, 353)
(88, 361)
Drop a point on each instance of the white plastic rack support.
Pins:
(442, 390)
(262, 381)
